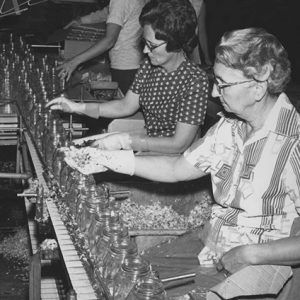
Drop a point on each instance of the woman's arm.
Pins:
(184, 136)
(284, 251)
(95, 17)
(166, 168)
(107, 42)
(111, 109)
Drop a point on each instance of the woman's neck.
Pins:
(260, 116)
(175, 61)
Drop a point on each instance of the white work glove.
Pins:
(89, 160)
(114, 141)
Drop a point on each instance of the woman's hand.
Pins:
(115, 141)
(67, 68)
(64, 104)
(74, 23)
(234, 259)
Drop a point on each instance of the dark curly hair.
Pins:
(250, 50)
(173, 21)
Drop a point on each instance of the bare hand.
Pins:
(73, 23)
(63, 104)
(67, 68)
(116, 141)
(234, 260)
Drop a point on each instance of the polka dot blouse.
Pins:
(168, 98)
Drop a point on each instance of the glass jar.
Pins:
(114, 258)
(88, 210)
(147, 288)
(132, 269)
(111, 233)
(80, 197)
(99, 221)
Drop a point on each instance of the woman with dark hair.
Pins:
(170, 90)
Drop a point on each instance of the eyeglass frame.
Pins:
(220, 86)
(150, 47)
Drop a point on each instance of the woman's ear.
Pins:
(262, 82)
(261, 89)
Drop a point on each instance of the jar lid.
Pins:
(136, 265)
(116, 230)
(102, 216)
(90, 207)
(124, 247)
(148, 287)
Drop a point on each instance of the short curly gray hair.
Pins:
(250, 51)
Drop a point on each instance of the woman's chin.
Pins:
(153, 61)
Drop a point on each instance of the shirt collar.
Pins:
(283, 118)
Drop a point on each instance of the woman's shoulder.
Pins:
(193, 70)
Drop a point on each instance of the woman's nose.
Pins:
(215, 92)
(146, 49)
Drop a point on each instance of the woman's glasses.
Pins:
(222, 85)
(151, 47)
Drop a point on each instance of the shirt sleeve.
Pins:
(201, 153)
(194, 103)
(140, 77)
(291, 177)
(117, 12)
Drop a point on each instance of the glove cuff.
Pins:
(92, 110)
(139, 143)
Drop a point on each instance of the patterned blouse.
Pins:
(168, 98)
(256, 183)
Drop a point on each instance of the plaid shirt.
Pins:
(256, 183)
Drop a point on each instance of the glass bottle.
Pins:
(100, 201)
(80, 197)
(132, 269)
(100, 219)
(111, 233)
(86, 217)
(147, 288)
(114, 258)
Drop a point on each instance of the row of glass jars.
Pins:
(116, 256)
(114, 253)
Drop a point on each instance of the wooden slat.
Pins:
(35, 277)
(77, 274)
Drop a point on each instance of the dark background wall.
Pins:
(280, 17)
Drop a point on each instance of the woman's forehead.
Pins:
(148, 31)
(149, 34)
(226, 73)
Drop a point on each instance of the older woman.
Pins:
(253, 157)
(170, 90)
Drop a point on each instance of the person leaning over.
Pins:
(252, 155)
(122, 40)
(170, 90)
